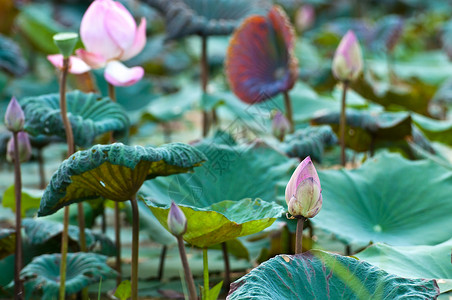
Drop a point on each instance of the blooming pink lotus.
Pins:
(303, 191)
(110, 35)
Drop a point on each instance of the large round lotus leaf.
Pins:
(231, 172)
(7, 242)
(204, 17)
(388, 199)
(260, 62)
(115, 172)
(222, 221)
(413, 261)
(322, 275)
(90, 116)
(83, 269)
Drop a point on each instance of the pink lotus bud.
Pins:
(304, 17)
(303, 192)
(280, 125)
(14, 116)
(24, 147)
(109, 30)
(177, 222)
(348, 59)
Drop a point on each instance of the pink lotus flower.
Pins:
(348, 59)
(303, 191)
(110, 35)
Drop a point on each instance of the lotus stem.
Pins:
(227, 269)
(205, 273)
(112, 95)
(18, 287)
(42, 173)
(299, 235)
(342, 122)
(135, 241)
(64, 242)
(204, 82)
(71, 150)
(162, 262)
(187, 271)
(289, 113)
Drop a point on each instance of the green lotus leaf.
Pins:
(7, 242)
(43, 231)
(432, 262)
(29, 201)
(310, 141)
(115, 172)
(221, 176)
(11, 58)
(204, 17)
(222, 221)
(413, 94)
(435, 130)
(83, 269)
(366, 127)
(90, 116)
(388, 199)
(322, 275)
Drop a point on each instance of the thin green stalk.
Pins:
(342, 123)
(112, 95)
(18, 287)
(135, 241)
(289, 113)
(187, 271)
(299, 235)
(206, 273)
(71, 150)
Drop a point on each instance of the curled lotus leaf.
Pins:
(204, 17)
(115, 172)
(90, 116)
(260, 61)
(321, 275)
(388, 199)
(83, 269)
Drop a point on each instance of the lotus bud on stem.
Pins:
(14, 121)
(177, 225)
(303, 197)
(347, 66)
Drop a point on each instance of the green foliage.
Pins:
(83, 269)
(413, 261)
(7, 242)
(323, 275)
(388, 199)
(90, 116)
(115, 172)
(123, 291)
(11, 58)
